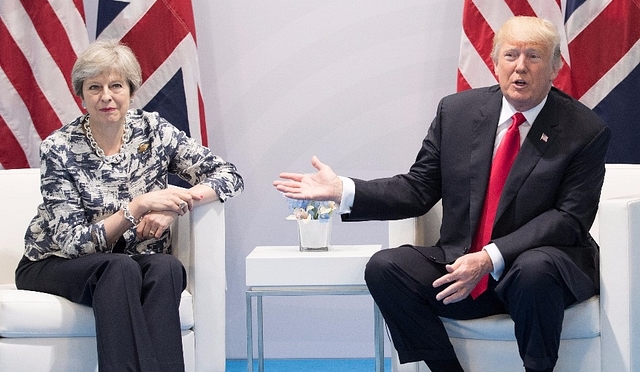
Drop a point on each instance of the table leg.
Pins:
(260, 336)
(378, 338)
(378, 325)
(249, 334)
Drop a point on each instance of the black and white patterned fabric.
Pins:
(80, 189)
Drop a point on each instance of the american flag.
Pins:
(601, 53)
(41, 39)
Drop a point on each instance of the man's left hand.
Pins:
(463, 275)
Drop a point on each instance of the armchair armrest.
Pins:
(204, 233)
(619, 278)
(420, 231)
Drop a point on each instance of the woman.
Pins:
(104, 189)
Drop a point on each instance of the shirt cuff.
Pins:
(496, 258)
(348, 194)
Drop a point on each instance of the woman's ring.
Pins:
(152, 233)
(183, 205)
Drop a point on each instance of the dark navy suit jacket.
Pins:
(550, 197)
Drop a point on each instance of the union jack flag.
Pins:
(41, 39)
(601, 53)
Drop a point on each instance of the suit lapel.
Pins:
(484, 136)
(542, 134)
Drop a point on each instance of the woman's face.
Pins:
(107, 98)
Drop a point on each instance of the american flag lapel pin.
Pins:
(544, 137)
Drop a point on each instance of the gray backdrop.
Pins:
(355, 83)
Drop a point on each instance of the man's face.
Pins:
(525, 73)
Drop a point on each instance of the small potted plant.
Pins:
(314, 223)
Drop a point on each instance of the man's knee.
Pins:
(535, 267)
(378, 264)
(533, 277)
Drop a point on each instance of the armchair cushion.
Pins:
(38, 314)
(581, 321)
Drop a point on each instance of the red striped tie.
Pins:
(505, 155)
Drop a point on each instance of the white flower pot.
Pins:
(315, 235)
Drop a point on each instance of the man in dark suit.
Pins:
(538, 255)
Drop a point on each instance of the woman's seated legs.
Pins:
(128, 333)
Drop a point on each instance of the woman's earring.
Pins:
(131, 100)
(84, 106)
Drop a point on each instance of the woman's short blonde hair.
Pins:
(531, 30)
(106, 56)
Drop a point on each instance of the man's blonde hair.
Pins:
(530, 30)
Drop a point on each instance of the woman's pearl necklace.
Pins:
(99, 151)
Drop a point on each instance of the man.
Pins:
(536, 250)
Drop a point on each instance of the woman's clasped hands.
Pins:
(156, 210)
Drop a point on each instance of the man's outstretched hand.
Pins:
(322, 185)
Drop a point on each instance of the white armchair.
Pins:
(43, 332)
(598, 334)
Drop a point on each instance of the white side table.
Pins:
(285, 271)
